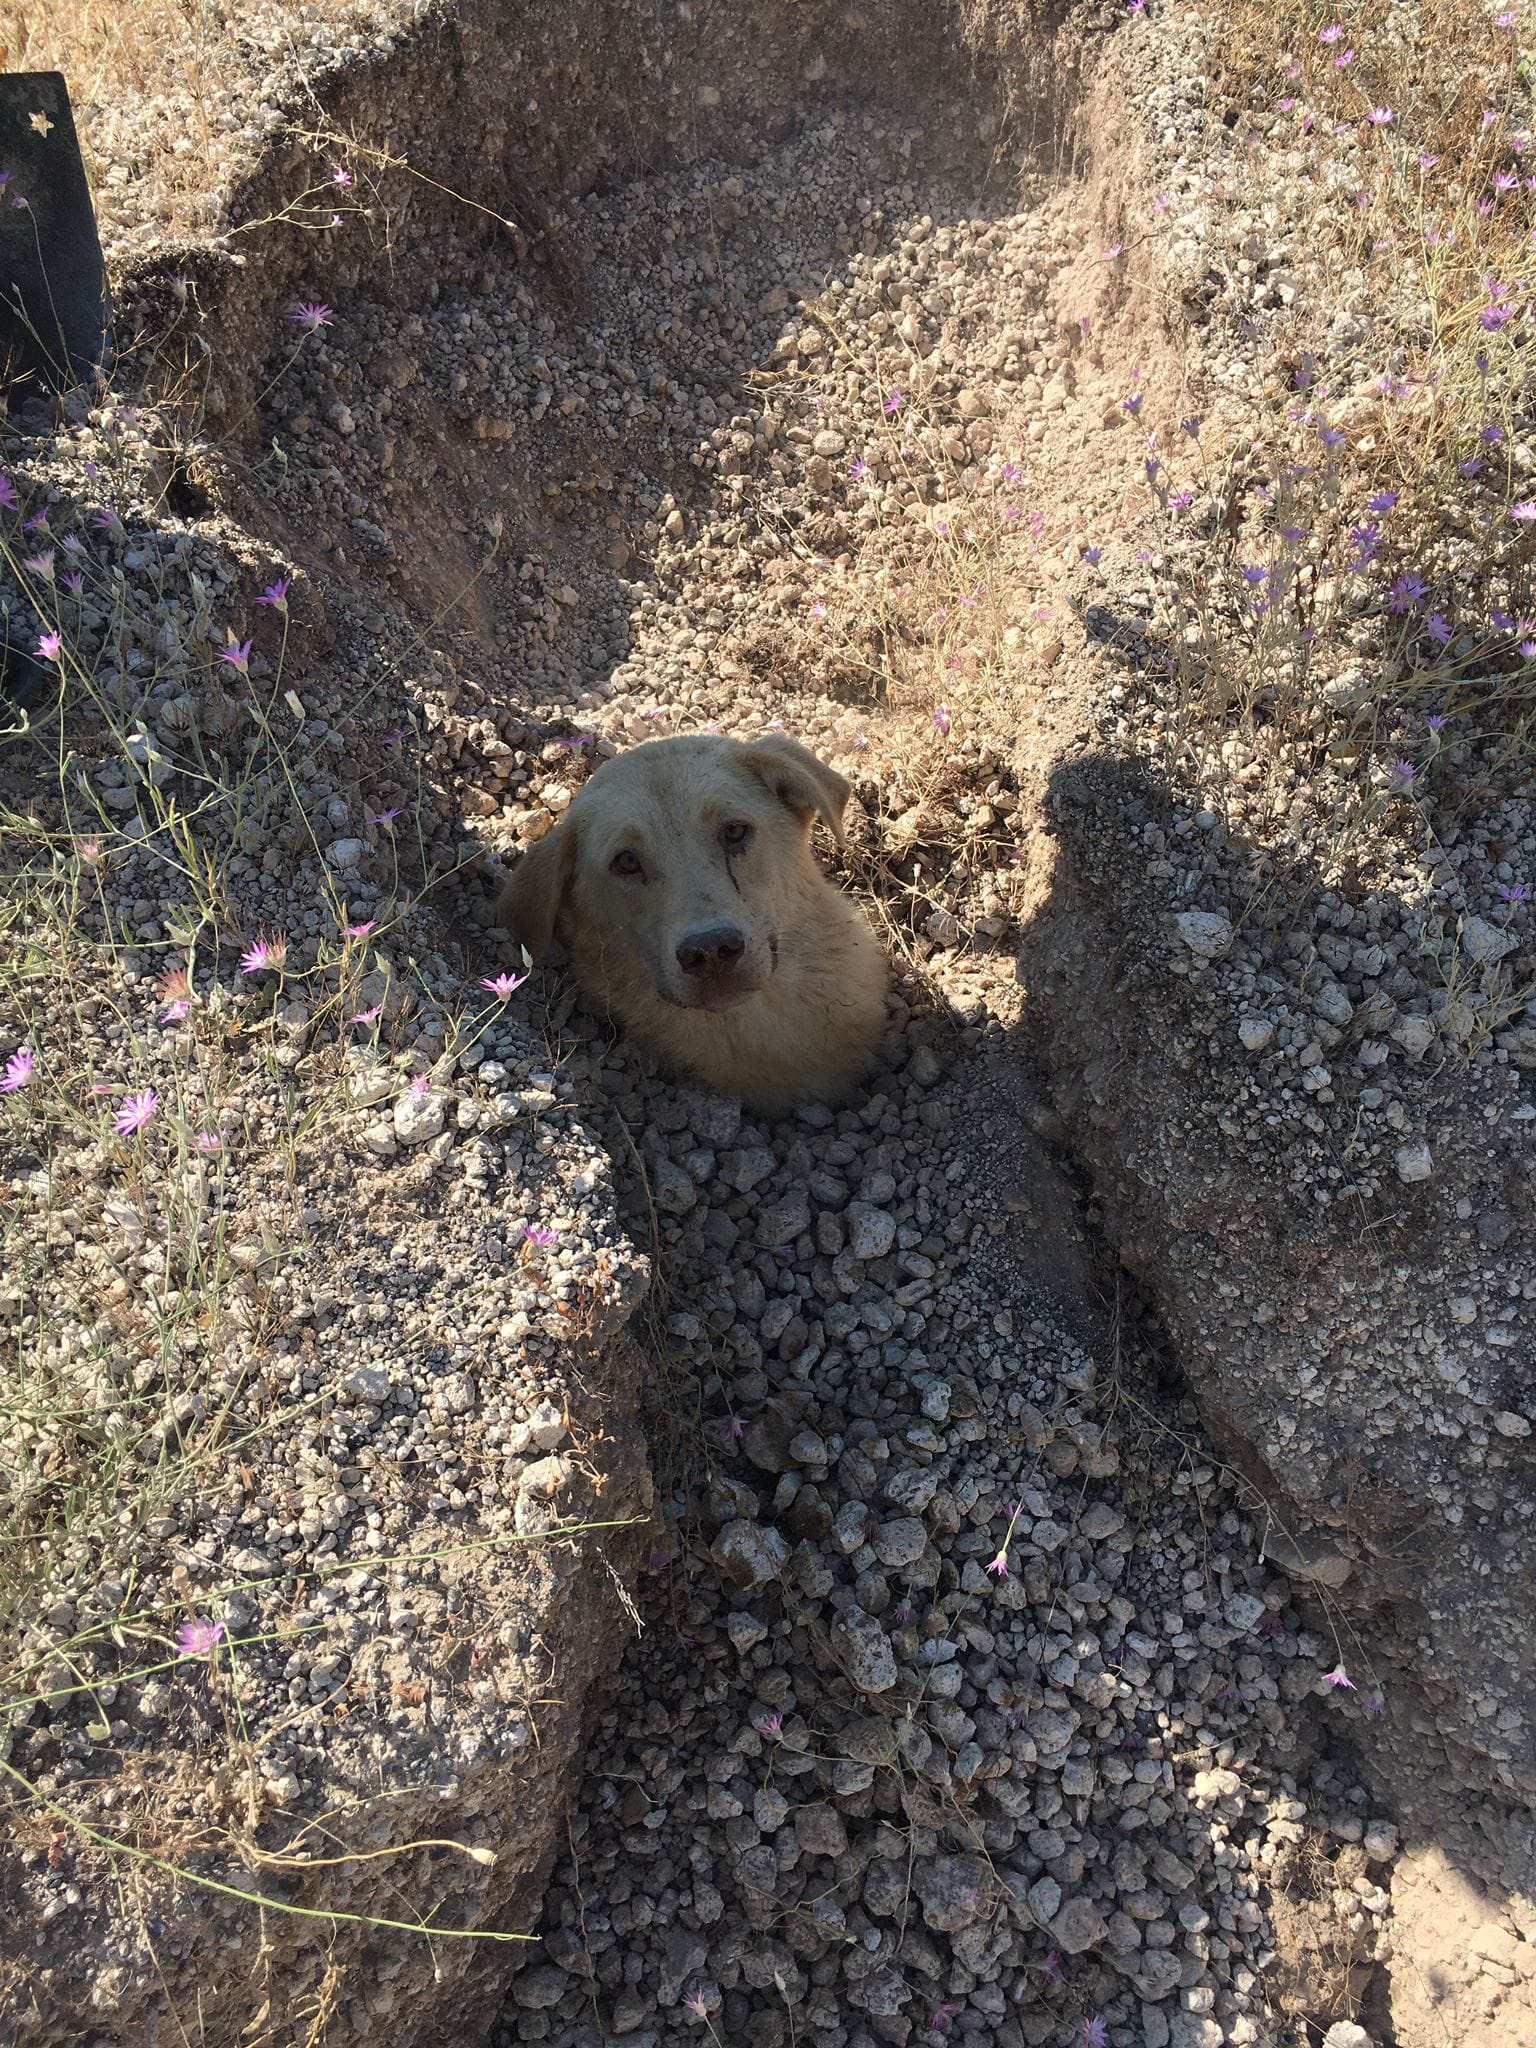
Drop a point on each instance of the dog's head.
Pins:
(681, 863)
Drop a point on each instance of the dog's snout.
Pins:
(714, 949)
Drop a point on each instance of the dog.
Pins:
(694, 912)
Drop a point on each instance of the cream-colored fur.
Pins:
(782, 1000)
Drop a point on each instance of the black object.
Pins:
(55, 311)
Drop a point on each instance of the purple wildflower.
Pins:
(384, 817)
(1525, 511)
(894, 403)
(1384, 501)
(1404, 774)
(276, 594)
(538, 1233)
(359, 931)
(19, 1069)
(199, 1638)
(267, 952)
(1381, 117)
(49, 646)
(770, 1724)
(1407, 590)
(858, 469)
(8, 496)
(999, 1565)
(1367, 540)
(237, 654)
(311, 316)
(134, 1112)
(1437, 626)
(1338, 1677)
(1096, 2032)
(502, 984)
(942, 720)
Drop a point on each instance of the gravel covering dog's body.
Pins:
(683, 882)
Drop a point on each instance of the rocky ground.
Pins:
(1015, 1654)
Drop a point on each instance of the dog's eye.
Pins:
(736, 833)
(626, 863)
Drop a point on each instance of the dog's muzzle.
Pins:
(715, 969)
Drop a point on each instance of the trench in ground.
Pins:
(663, 565)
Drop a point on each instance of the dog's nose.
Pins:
(713, 949)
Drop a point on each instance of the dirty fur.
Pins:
(782, 1000)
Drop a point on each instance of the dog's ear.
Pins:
(799, 780)
(530, 903)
